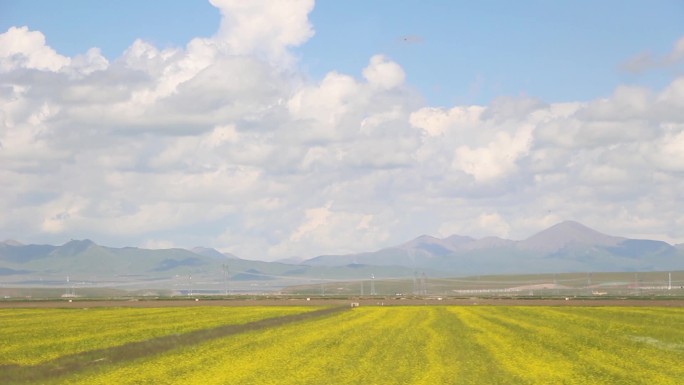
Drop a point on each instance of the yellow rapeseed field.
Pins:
(33, 336)
(415, 345)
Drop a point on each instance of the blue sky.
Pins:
(74, 26)
(272, 129)
(475, 51)
(452, 51)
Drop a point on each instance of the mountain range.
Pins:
(565, 247)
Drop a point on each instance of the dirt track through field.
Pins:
(17, 374)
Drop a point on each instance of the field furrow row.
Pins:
(377, 345)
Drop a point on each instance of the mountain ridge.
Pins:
(564, 247)
(565, 233)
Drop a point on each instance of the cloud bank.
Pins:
(226, 143)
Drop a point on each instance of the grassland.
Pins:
(647, 284)
(365, 345)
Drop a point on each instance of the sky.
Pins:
(293, 129)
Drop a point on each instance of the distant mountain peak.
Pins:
(566, 233)
(81, 242)
(570, 224)
(75, 246)
(12, 242)
(574, 228)
(212, 253)
(423, 239)
(435, 246)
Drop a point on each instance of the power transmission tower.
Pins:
(70, 290)
(226, 273)
(636, 284)
(415, 282)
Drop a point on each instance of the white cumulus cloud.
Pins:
(226, 143)
(264, 28)
(383, 73)
(22, 48)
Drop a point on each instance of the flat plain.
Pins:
(428, 344)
